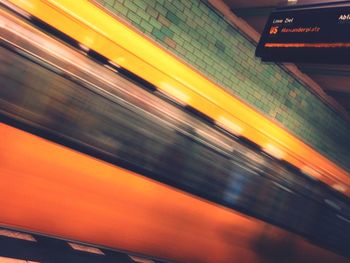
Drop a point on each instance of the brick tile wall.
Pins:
(202, 37)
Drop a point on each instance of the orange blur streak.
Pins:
(51, 189)
(98, 30)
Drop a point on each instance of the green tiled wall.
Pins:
(199, 35)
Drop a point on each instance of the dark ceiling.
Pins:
(333, 79)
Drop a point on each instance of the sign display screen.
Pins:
(315, 34)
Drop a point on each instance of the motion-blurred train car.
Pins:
(92, 152)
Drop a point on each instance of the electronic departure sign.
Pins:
(307, 33)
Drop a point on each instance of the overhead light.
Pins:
(88, 41)
(309, 171)
(339, 187)
(273, 151)
(174, 93)
(118, 61)
(229, 125)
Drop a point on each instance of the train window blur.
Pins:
(124, 124)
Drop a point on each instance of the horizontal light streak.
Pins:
(17, 235)
(88, 249)
(141, 260)
(14, 260)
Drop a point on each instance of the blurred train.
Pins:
(93, 153)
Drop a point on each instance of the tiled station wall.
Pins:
(199, 35)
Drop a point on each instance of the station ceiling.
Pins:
(333, 79)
